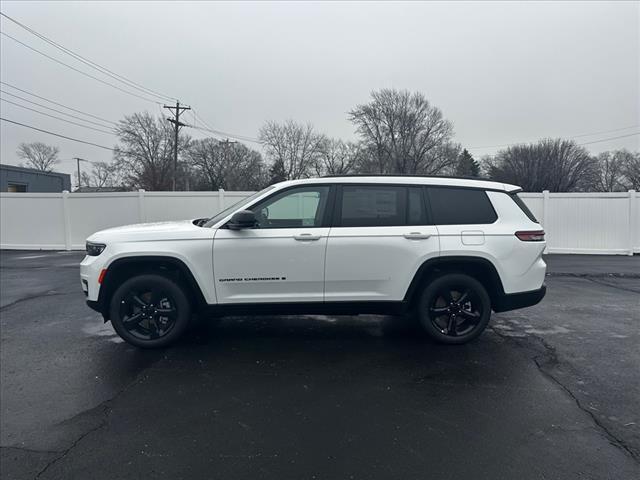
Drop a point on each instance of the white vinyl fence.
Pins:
(595, 223)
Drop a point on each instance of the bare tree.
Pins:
(39, 155)
(610, 173)
(232, 166)
(103, 174)
(551, 164)
(292, 148)
(146, 151)
(403, 133)
(632, 169)
(337, 157)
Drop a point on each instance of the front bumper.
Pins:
(514, 301)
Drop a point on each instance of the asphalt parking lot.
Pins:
(549, 392)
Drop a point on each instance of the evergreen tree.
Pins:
(277, 172)
(467, 166)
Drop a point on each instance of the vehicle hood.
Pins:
(178, 230)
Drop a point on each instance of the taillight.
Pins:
(531, 235)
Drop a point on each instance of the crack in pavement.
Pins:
(38, 267)
(65, 452)
(593, 275)
(551, 356)
(29, 450)
(47, 293)
(106, 410)
(617, 287)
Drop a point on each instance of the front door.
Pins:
(282, 259)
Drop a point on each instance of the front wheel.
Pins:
(150, 311)
(454, 308)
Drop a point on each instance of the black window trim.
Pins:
(428, 188)
(333, 210)
(522, 205)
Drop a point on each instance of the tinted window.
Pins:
(523, 207)
(295, 208)
(416, 213)
(460, 206)
(372, 206)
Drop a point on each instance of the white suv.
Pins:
(447, 250)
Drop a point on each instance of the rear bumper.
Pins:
(513, 301)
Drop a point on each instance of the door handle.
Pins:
(306, 237)
(417, 236)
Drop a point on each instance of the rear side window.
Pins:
(523, 207)
(373, 206)
(416, 211)
(460, 206)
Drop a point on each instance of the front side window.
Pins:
(373, 206)
(294, 208)
(220, 215)
(460, 206)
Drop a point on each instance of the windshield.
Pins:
(220, 215)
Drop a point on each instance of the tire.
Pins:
(445, 318)
(150, 311)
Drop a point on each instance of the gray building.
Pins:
(20, 179)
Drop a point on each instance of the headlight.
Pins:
(95, 249)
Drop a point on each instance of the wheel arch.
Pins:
(126, 267)
(479, 268)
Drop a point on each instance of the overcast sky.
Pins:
(501, 72)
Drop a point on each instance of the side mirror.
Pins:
(242, 219)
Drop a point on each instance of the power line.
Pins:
(574, 136)
(610, 138)
(90, 63)
(110, 73)
(56, 134)
(55, 110)
(56, 103)
(56, 117)
(244, 138)
(79, 71)
(219, 132)
(605, 131)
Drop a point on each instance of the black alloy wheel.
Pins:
(148, 314)
(150, 310)
(455, 308)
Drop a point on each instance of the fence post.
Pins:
(545, 207)
(67, 219)
(221, 199)
(633, 216)
(141, 210)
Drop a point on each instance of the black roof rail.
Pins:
(408, 175)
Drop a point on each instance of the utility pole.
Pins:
(177, 110)
(78, 160)
(226, 144)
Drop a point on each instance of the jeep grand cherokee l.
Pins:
(446, 250)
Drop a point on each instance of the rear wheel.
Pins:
(454, 308)
(150, 311)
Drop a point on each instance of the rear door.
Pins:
(282, 259)
(464, 217)
(380, 236)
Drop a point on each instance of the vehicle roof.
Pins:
(409, 180)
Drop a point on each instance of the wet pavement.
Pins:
(547, 392)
